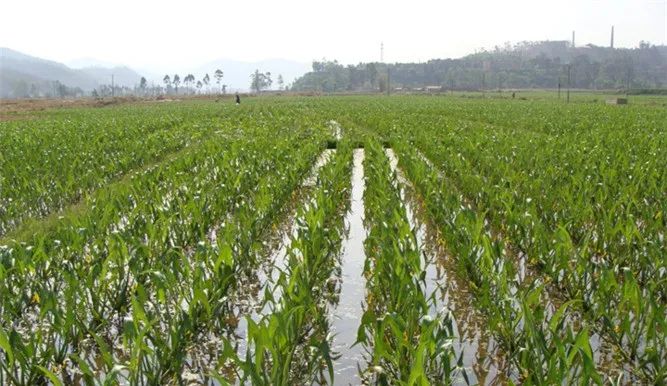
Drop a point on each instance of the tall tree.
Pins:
(281, 82)
(142, 85)
(189, 81)
(218, 76)
(206, 81)
(255, 80)
(260, 81)
(167, 82)
(176, 81)
(199, 86)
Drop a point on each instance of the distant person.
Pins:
(513, 95)
(238, 99)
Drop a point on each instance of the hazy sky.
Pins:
(162, 34)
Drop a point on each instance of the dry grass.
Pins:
(22, 109)
(19, 109)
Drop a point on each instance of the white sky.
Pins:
(152, 34)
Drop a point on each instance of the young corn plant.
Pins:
(154, 238)
(406, 344)
(291, 344)
(542, 349)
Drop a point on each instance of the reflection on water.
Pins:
(250, 300)
(608, 361)
(481, 356)
(322, 160)
(347, 313)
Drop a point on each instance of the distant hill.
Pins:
(23, 75)
(524, 65)
(89, 62)
(122, 75)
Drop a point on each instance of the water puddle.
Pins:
(347, 313)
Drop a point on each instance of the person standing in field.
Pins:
(238, 99)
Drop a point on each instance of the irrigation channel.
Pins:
(273, 261)
(606, 360)
(347, 314)
(481, 359)
(262, 289)
(479, 356)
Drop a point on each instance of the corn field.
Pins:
(335, 240)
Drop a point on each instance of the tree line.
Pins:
(190, 85)
(524, 65)
(171, 85)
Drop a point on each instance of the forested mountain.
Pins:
(524, 65)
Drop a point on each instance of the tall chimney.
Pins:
(612, 37)
(572, 39)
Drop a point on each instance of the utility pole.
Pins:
(612, 37)
(572, 39)
(559, 88)
(112, 87)
(569, 72)
(388, 70)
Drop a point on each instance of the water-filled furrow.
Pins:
(605, 354)
(346, 315)
(480, 353)
(250, 299)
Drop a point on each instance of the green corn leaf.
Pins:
(52, 377)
